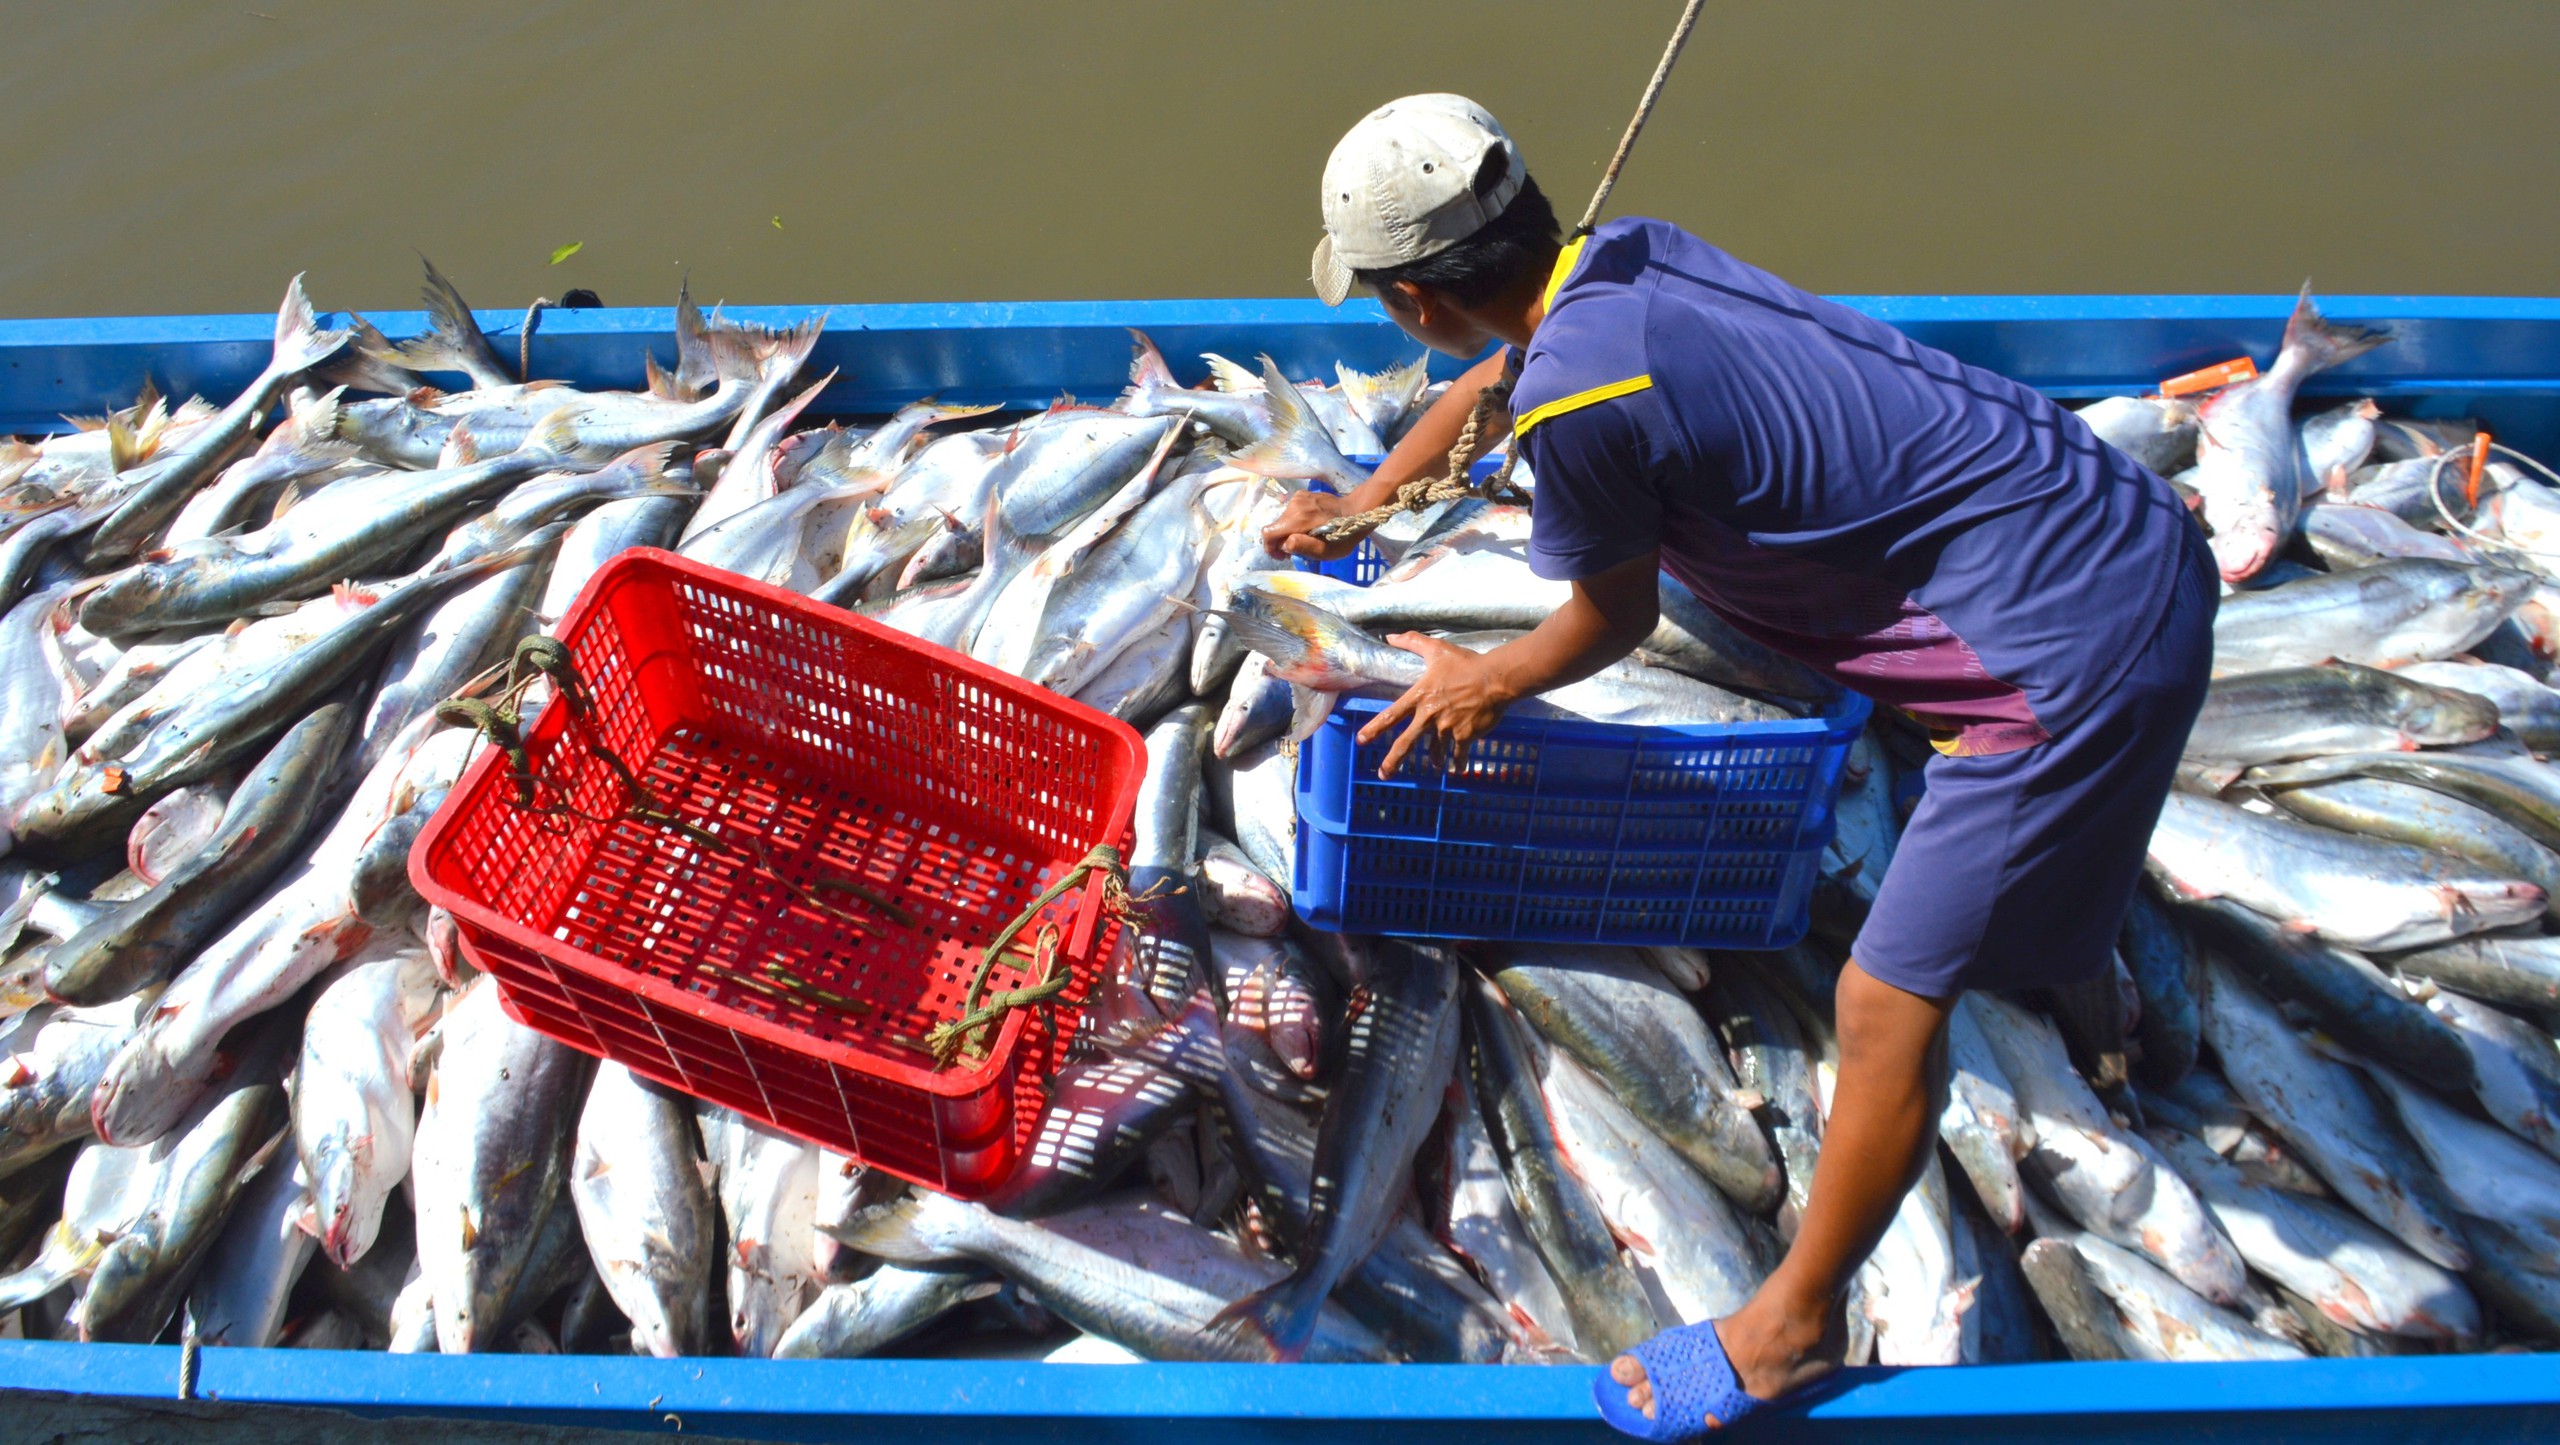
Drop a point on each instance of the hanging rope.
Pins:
(1644, 108)
(1424, 492)
(965, 1033)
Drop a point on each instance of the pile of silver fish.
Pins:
(251, 1095)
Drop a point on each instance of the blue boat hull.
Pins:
(2491, 358)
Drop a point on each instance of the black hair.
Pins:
(1522, 241)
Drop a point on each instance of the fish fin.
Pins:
(898, 1231)
(697, 365)
(1276, 1321)
(1308, 708)
(781, 417)
(1148, 374)
(662, 383)
(301, 342)
(1299, 445)
(371, 364)
(2312, 342)
(554, 437)
(453, 340)
(1261, 634)
(460, 448)
(124, 446)
(1232, 377)
(759, 354)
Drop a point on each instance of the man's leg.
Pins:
(1883, 1123)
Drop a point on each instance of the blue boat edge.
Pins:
(2469, 1397)
(2494, 358)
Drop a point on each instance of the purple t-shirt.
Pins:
(1931, 534)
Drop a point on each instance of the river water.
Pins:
(160, 157)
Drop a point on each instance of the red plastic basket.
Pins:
(851, 751)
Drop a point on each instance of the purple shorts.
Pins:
(2015, 870)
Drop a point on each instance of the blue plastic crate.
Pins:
(1560, 829)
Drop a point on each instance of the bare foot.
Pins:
(1773, 1352)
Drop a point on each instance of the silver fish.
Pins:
(1238, 896)
(188, 1183)
(2157, 431)
(2488, 1172)
(1239, 416)
(492, 1158)
(749, 479)
(1982, 1124)
(2108, 1180)
(350, 527)
(1478, 1222)
(1257, 709)
(1617, 1015)
(2251, 469)
(151, 497)
(2337, 441)
(849, 1321)
(2354, 1274)
(2303, 712)
(2514, 969)
(952, 478)
(305, 923)
(1911, 1289)
(2406, 813)
(2529, 708)
(1401, 1042)
(1607, 1303)
(147, 940)
(51, 1058)
(2412, 610)
(599, 537)
(355, 1117)
(2353, 1001)
(1127, 587)
(2516, 1070)
(2348, 535)
(1146, 680)
(1132, 1271)
(2321, 1110)
(769, 1195)
(636, 1180)
(300, 456)
(2161, 1319)
(2357, 892)
(1682, 1237)
(240, 1297)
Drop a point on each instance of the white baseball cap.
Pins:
(1401, 186)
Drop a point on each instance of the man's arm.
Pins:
(1424, 452)
(1462, 694)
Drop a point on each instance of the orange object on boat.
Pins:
(2226, 373)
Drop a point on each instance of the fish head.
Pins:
(2440, 717)
(120, 605)
(2490, 589)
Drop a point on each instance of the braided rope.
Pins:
(1424, 492)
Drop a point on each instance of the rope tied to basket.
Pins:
(950, 1039)
(499, 721)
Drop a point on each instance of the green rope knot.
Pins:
(965, 1034)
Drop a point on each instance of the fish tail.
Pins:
(2313, 342)
(372, 363)
(453, 340)
(1308, 708)
(1299, 445)
(1232, 377)
(1275, 1322)
(301, 342)
(760, 355)
(782, 416)
(697, 357)
(1149, 378)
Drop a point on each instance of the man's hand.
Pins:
(1459, 699)
(1293, 534)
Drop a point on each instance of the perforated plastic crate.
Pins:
(850, 753)
(1567, 830)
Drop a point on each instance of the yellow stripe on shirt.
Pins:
(1565, 262)
(1579, 400)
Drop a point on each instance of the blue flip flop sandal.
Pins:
(1692, 1380)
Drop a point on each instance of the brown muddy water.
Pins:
(162, 157)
